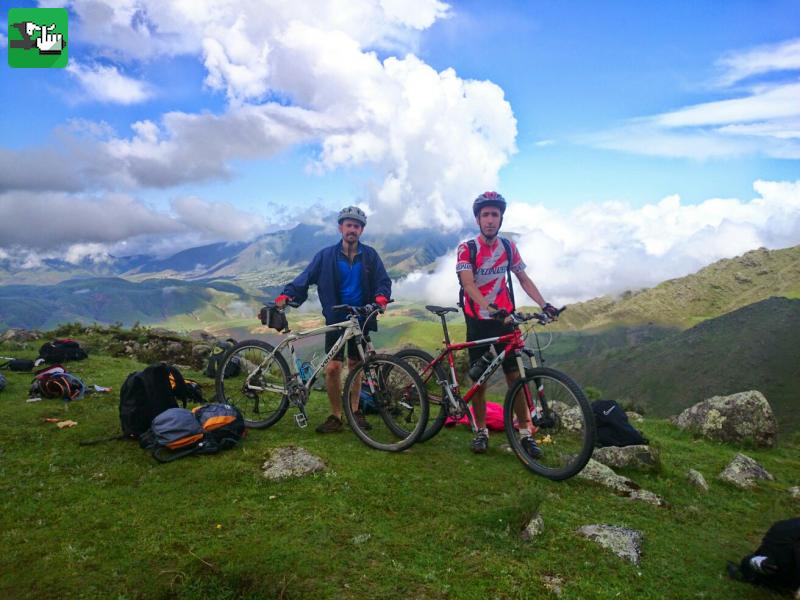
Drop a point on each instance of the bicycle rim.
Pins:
(258, 386)
(421, 362)
(391, 403)
(564, 427)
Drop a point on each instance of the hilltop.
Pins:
(719, 288)
(754, 347)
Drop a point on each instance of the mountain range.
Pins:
(263, 262)
(731, 326)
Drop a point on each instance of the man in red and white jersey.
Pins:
(486, 294)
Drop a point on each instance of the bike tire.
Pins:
(420, 360)
(260, 409)
(567, 440)
(400, 412)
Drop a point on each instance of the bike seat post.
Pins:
(444, 328)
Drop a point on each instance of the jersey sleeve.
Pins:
(517, 264)
(462, 258)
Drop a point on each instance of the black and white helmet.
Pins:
(352, 212)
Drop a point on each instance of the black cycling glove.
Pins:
(550, 310)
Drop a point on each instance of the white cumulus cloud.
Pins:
(346, 80)
(608, 248)
(105, 83)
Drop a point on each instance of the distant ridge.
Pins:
(717, 289)
(755, 347)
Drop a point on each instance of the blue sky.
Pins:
(235, 117)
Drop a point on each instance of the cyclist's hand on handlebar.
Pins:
(551, 311)
(382, 301)
(501, 314)
(282, 300)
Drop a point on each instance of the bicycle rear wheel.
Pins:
(431, 375)
(564, 426)
(393, 406)
(254, 380)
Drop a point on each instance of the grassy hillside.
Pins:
(715, 290)
(110, 300)
(433, 522)
(751, 348)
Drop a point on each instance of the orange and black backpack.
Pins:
(207, 429)
(56, 382)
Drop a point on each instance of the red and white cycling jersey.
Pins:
(489, 270)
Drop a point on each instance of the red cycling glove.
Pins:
(382, 301)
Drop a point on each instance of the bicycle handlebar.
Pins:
(542, 318)
(362, 311)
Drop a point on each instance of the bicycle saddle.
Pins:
(440, 310)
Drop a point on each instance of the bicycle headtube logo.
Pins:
(37, 38)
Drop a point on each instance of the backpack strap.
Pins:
(509, 255)
(165, 455)
(105, 439)
(473, 253)
(177, 384)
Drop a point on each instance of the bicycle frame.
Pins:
(512, 342)
(350, 330)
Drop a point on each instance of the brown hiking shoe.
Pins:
(361, 421)
(332, 424)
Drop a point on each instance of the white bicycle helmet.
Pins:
(352, 212)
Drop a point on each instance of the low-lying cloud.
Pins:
(608, 248)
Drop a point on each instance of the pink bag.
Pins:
(494, 417)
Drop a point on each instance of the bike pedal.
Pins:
(301, 420)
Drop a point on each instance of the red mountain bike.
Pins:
(563, 421)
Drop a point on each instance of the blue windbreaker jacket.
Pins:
(324, 273)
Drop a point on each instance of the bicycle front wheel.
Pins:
(564, 428)
(431, 375)
(391, 403)
(253, 378)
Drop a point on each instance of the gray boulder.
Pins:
(641, 457)
(697, 480)
(744, 472)
(599, 473)
(291, 461)
(201, 351)
(534, 527)
(20, 335)
(622, 541)
(744, 417)
(794, 492)
(570, 417)
(552, 583)
(634, 416)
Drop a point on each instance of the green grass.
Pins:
(107, 521)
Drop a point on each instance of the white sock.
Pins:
(523, 433)
(484, 431)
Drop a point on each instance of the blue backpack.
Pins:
(366, 402)
(179, 432)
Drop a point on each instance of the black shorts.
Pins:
(352, 346)
(479, 329)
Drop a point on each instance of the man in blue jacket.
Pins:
(346, 273)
